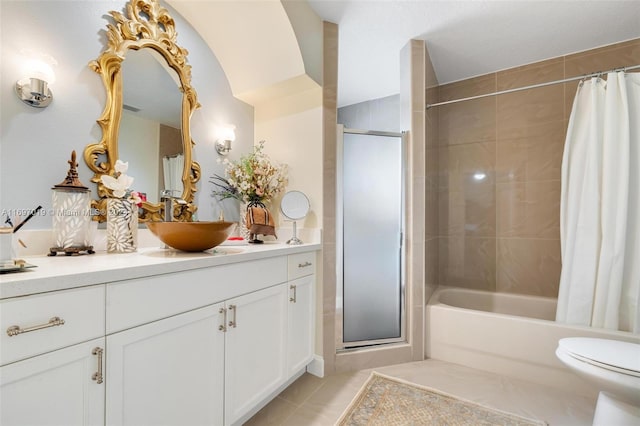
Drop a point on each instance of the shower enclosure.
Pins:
(370, 296)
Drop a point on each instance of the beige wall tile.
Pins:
(431, 264)
(431, 209)
(526, 75)
(459, 164)
(416, 219)
(528, 266)
(416, 274)
(471, 212)
(417, 140)
(418, 76)
(529, 108)
(570, 91)
(525, 166)
(466, 88)
(432, 96)
(466, 122)
(431, 128)
(528, 209)
(534, 153)
(329, 103)
(603, 59)
(468, 262)
(431, 163)
(373, 357)
(416, 334)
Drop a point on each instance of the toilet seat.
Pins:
(613, 355)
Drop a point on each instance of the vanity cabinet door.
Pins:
(168, 372)
(56, 388)
(301, 323)
(255, 349)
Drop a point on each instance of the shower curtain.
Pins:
(600, 206)
(173, 168)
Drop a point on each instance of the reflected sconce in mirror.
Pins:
(226, 135)
(33, 89)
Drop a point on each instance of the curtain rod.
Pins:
(534, 86)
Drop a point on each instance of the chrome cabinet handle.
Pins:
(97, 376)
(14, 330)
(304, 265)
(223, 327)
(233, 323)
(293, 287)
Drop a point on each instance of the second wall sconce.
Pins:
(33, 89)
(226, 135)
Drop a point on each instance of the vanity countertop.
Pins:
(65, 272)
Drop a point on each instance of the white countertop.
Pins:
(64, 272)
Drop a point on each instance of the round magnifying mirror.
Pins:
(294, 206)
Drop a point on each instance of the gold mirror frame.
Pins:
(148, 25)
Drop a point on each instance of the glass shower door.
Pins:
(372, 227)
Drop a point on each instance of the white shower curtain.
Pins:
(600, 206)
(173, 168)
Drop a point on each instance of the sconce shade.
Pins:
(226, 135)
(34, 90)
(223, 146)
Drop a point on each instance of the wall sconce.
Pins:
(33, 90)
(226, 135)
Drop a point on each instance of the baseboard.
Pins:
(316, 366)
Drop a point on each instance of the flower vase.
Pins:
(243, 231)
(122, 225)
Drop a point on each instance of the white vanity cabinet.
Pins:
(167, 372)
(52, 358)
(301, 311)
(62, 387)
(206, 345)
(255, 349)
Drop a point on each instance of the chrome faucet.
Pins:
(167, 198)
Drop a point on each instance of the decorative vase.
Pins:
(243, 231)
(122, 226)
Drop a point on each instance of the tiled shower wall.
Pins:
(493, 220)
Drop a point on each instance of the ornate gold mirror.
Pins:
(142, 69)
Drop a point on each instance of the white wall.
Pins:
(381, 114)
(35, 144)
(292, 129)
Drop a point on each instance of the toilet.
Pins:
(614, 367)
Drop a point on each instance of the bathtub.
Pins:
(508, 334)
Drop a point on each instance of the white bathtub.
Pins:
(508, 334)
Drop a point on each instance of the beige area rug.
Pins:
(389, 401)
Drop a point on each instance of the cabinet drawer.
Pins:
(28, 325)
(302, 264)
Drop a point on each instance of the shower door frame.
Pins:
(340, 344)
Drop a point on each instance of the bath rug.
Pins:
(387, 401)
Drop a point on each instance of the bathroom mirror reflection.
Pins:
(150, 138)
(295, 206)
(140, 60)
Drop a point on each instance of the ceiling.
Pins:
(464, 38)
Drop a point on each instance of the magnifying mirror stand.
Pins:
(294, 241)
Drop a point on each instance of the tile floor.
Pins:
(320, 402)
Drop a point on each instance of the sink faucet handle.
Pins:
(168, 193)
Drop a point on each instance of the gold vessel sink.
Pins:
(191, 236)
